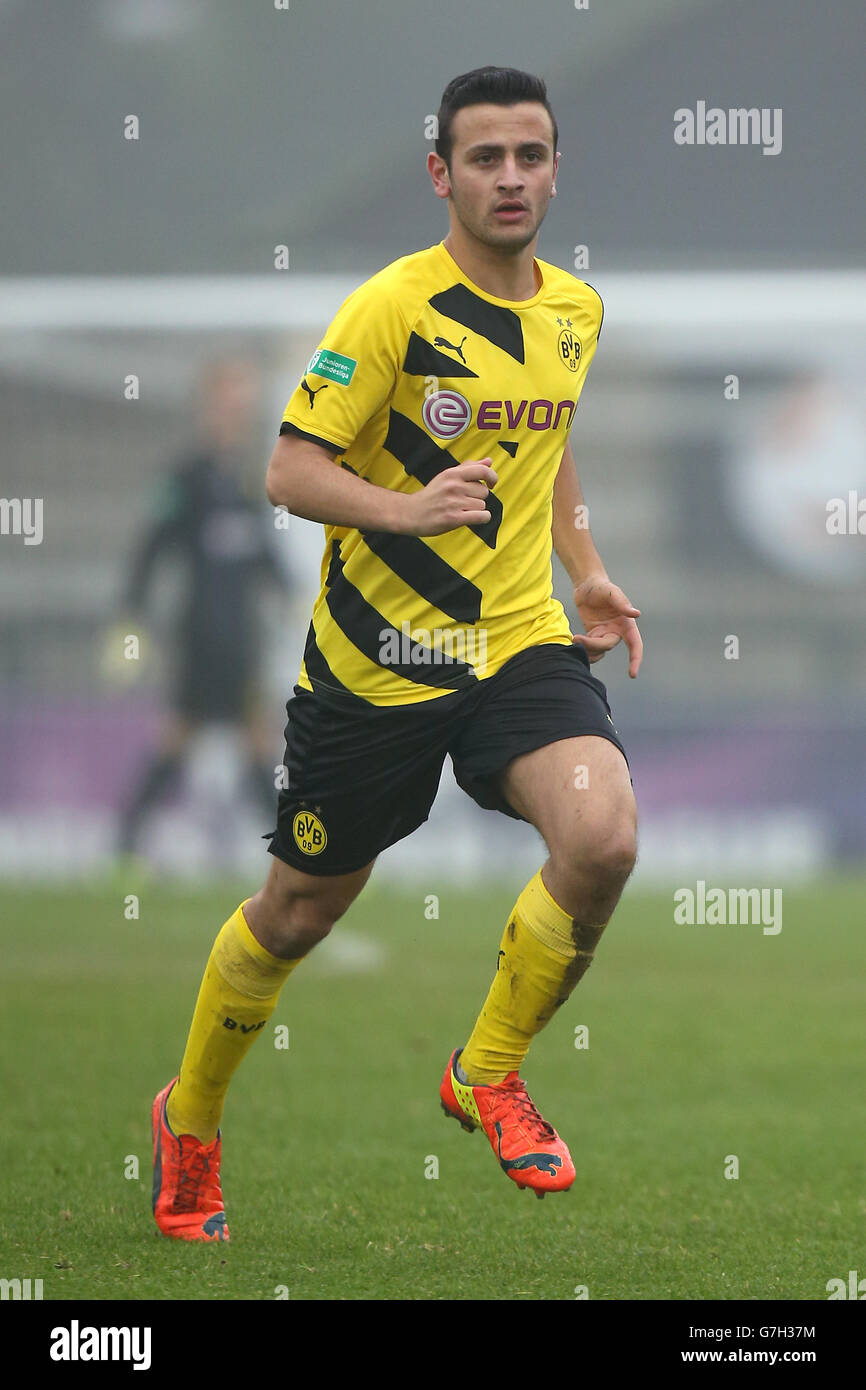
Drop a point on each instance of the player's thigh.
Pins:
(578, 794)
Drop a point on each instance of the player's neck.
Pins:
(504, 274)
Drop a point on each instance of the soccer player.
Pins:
(207, 521)
(430, 436)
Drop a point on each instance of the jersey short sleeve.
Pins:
(353, 371)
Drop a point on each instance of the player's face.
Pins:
(502, 155)
(230, 399)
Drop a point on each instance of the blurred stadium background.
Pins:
(153, 257)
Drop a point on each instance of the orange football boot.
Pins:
(529, 1149)
(187, 1200)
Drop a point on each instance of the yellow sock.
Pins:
(542, 955)
(239, 992)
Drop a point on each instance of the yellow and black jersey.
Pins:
(418, 371)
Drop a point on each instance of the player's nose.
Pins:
(511, 177)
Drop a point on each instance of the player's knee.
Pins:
(613, 857)
(295, 910)
(309, 915)
(606, 859)
(294, 920)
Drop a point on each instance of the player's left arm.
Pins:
(606, 613)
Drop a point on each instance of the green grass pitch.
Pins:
(704, 1042)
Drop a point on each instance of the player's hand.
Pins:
(609, 617)
(455, 497)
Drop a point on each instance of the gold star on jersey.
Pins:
(424, 370)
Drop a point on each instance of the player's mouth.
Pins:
(511, 211)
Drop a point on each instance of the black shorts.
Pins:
(361, 776)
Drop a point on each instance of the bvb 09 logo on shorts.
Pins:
(310, 835)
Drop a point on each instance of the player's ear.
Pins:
(438, 171)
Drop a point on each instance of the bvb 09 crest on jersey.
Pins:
(569, 349)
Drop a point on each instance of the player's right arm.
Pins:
(349, 379)
(303, 478)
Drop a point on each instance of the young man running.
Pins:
(445, 386)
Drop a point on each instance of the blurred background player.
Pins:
(208, 521)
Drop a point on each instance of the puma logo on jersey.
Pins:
(443, 342)
(311, 393)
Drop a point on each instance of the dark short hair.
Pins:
(500, 86)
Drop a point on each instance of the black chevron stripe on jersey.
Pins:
(322, 678)
(423, 459)
(423, 359)
(427, 573)
(498, 325)
(364, 625)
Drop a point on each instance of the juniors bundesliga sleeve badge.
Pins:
(332, 365)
